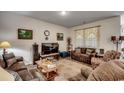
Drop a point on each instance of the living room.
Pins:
(60, 38)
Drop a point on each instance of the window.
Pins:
(87, 37)
(122, 34)
(79, 38)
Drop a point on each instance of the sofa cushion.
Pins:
(95, 62)
(89, 51)
(9, 59)
(17, 66)
(83, 50)
(109, 55)
(85, 71)
(25, 75)
(84, 55)
(108, 71)
(77, 50)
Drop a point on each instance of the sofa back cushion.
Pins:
(112, 70)
(89, 51)
(9, 59)
(83, 50)
(110, 55)
(77, 50)
(2, 64)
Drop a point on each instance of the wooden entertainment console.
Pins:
(55, 55)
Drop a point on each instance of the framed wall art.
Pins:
(25, 34)
(60, 36)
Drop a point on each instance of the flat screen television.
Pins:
(48, 48)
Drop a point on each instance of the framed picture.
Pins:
(60, 36)
(25, 34)
(101, 51)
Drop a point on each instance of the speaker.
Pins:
(36, 54)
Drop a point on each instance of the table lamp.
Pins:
(4, 45)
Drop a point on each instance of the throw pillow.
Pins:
(78, 50)
(89, 51)
(83, 50)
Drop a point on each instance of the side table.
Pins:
(100, 55)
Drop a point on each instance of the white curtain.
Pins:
(87, 37)
(79, 38)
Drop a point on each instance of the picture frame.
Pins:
(60, 36)
(25, 34)
(101, 51)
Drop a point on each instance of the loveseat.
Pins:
(84, 54)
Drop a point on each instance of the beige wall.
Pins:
(108, 28)
(9, 23)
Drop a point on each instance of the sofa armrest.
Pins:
(19, 58)
(85, 71)
(93, 54)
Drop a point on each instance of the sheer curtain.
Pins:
(88, 37)
(80, 38)
(122, 34)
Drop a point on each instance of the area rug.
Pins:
(68, 68)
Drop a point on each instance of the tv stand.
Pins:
(55, 55)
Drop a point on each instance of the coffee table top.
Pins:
(46, 65)
(47, 55)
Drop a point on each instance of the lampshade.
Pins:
(121, 38)
(113, 38)
(5, 44)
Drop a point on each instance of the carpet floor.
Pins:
(68, 68)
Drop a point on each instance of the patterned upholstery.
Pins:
(108, 71)
(2, 64)
(84, 55)
(109, 55)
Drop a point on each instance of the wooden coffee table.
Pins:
(48, 69)
(54, 55)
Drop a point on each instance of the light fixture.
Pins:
(63, 13)
(5, 45)
(117, 40)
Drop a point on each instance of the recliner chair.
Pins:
(17, 64)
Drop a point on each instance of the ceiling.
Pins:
(72, 18)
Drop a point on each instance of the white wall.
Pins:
(9, 23)
(108, 28)
(122, 27)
